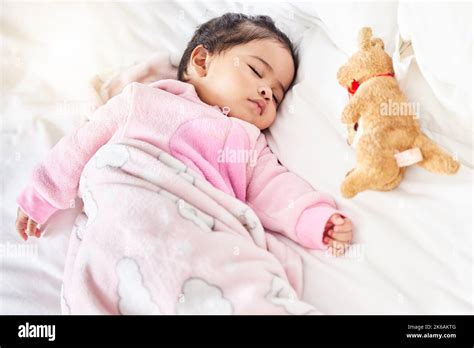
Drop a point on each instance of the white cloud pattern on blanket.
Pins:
(201, 297)
(113, 155)
(181, 169)
(90, 205)
(188, 212)
(135, 298)
(189, 178)
(80, 225)
(248, 219)
(172, 162)
(65, 309)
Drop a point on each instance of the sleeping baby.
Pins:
(232, 78)
(243, 66)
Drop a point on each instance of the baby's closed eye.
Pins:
(255, 71)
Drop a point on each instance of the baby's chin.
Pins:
(242, 114)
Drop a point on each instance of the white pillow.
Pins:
(342, 21)
(441, 36)
(448, 128)
(308, 133)
(292, 17)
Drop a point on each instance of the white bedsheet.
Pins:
(413, 246)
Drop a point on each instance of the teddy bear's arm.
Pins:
(351, 113)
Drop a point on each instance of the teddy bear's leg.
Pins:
(386, 174)
(391, 185)
(361, 179)
(377, 169)
(356, 181)
(434, 158)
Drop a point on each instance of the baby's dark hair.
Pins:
(232, 29)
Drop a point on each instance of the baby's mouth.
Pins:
(256, 107)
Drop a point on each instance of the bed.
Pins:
(413, 247)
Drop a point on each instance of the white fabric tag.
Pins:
(408, 157)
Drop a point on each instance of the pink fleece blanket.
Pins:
(156, 238)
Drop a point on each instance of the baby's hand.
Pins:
(26, 226)
(338, 234)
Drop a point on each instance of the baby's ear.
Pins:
(199, 60)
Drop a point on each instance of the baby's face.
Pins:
(250, 79)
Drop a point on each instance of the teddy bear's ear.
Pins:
(365, 34)
(377, 42)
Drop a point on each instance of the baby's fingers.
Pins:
(345, 227)
(336, 219)
(31, 227)
(21, 228)
(332, 241)
(37, 232)
(344, 236)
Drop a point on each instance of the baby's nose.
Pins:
(265, 92)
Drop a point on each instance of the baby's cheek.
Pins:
(262, 122)
(271, 116)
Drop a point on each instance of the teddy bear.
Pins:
(382, 125)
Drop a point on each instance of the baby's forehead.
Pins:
(262, 47)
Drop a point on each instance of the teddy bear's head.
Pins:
(370, 60)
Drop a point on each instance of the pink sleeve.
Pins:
(54, 182)
(286, 203)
